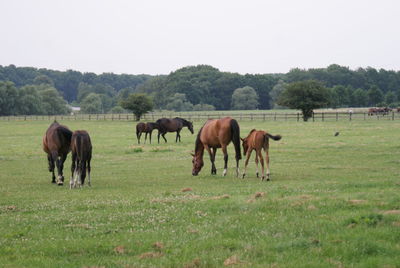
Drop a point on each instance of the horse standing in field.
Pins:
(216, 133)
(258, 140)
(172, 125)
(146, 128)
(81, 147)
(56, 143)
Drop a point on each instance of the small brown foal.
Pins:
(258, 140)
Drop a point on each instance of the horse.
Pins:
(258, 140)
(216, 133)
(81, 147)
(172, 125)
(147, 129)
(56, 143)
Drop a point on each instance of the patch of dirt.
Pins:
(232, 260)
(193, 264)
(158, 245)
(391, 212)
(224, 196)
(187, 189)
(148, 255)
(119, 249)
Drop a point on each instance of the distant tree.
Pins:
(390, 97)
(117, 110)
(30, 101)
(92, 104)
(375, 96)
(244, 98)
(138, 103)
(276, 92)
(305, 96)
(53, 103)
(360, 98)
(8, 99)
(203, 107)
(43, 79)
(178, 103)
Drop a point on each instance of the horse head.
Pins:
(198, 163)
(190, 126)
(245, 145)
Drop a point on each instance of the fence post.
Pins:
(323, 116)
(392, 115)
(313, 119)
(365, 118)
(263, 117)
(298, 117)
(275, 117)
(350, 114)
(337, 116)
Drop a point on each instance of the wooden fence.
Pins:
(267, 116)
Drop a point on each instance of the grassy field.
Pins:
(332, 201)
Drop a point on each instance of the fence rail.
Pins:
(320, 116)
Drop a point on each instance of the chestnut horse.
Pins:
(258, 140)
(216, 133)
(172, 125)
(81, 147)
(146, 128)
(56, 143)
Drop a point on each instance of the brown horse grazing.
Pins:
(258, 140)
(56, 143)
(172, 125)
(147, 129)
(81, 148)
(216, 133)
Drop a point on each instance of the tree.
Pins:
(92, 104)
(244, 98)
(276, 92)
(138, 103)
(203, 107)
(8, 98)
(305, 96)
(390, 97)
(179, 103)
(375, 96)
(52, 101)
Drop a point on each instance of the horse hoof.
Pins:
(60, 184)
(257, 175)
(243, 176)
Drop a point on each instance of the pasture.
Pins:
(332, 202)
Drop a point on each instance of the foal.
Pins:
(146, 128)
(81, 148)
(258, 140)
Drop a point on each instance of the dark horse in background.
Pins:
(56, 143)
(146, 128)
(172, 125)
(216, 133)
(81, 147)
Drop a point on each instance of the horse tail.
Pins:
(235, 131)
(275, 138)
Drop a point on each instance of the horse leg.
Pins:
(150, 136)
(60, 166)
(246, 162)
(88, 170)
(225, 160)
(73, 165)
(51, 167)
(177, 136)
(267, 163)
(163, 135)
(158, 136)
(145, 137)
(214, 152)
(212, 159)
(138, 134)
(262, 164)
(256, 160)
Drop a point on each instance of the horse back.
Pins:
(57, 139)
(81, 145)
(217, 132)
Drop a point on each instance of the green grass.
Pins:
(332, 201)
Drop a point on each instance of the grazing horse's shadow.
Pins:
(56, 143)
(172, 125)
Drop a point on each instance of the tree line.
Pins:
(26, 90)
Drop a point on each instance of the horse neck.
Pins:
(199, 150)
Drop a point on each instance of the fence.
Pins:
(320, 116)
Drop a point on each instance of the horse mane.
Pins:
(198, 141)
(251, 131)
(184, 121)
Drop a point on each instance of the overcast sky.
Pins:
(158, 37)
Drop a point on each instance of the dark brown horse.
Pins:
(216, 133)
(56, 143)
(81, 147)
(258, 140)
(172, 125)
(146, 128)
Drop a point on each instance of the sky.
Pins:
(161, 36)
